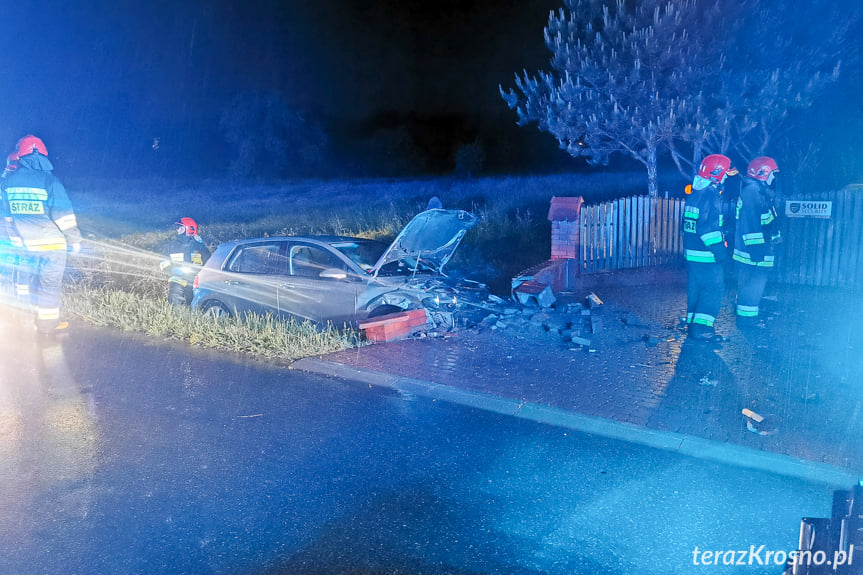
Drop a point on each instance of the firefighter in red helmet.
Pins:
(755, 232)
(183, 258)
(42, 224)
(704, 247)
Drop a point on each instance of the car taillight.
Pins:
(195, 283)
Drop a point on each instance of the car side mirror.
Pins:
(333, 274)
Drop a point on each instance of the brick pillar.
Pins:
(565, 217)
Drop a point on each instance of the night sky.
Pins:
(101, 80)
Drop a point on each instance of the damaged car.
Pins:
(342, 280)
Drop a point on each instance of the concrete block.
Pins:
(593, 301)
(488, 321)
(581, 341)
(557, 323)
(537, 292)
(540, 318)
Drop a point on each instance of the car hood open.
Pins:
(432, 236)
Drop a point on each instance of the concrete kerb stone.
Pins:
(689, 445)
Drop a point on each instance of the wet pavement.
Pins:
(803, 371)
(123, 454)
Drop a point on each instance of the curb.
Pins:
(689, 445)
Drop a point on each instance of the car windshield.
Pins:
(366, 253)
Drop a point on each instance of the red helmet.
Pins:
(716, 167)
(761, 168)
(190, 225)
(29, 144)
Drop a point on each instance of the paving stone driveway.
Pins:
(803, 371)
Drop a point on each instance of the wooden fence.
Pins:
(817, 249)
(630, 232)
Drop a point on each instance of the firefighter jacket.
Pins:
(183, 258)
(756, 226)
(36, 208)
(703, 239)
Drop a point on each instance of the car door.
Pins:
(254, 272)
(305, 294)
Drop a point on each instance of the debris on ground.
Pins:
(757, 423)
(752, 415)
(760, 428)
(531, 292)
(710, 382)
(574, 320)
(394, 326)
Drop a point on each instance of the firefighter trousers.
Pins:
(705, 287)
(179, 291)
(39, 281)
(751, 281)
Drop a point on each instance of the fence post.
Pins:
(565, 217)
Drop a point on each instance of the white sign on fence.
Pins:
(808, 208)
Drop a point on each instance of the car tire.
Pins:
(216, 310)
(384, 310)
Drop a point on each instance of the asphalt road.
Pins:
(120, 455)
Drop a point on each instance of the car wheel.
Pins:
(216, 309)
(384, 310)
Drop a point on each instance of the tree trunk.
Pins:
(652, 181)
(697, 151)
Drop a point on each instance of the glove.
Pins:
(75, 248)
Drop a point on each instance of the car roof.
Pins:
(314, 239)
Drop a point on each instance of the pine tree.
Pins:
(641, 77)
(620, 80)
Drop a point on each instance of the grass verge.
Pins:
(260, 336)
(118, 281)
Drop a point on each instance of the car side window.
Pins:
(268, 259)
(309, 261)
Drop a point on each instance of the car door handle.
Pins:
(231, 282)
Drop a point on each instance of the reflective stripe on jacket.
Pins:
(755, 225)
(37, 206)
(702, 226)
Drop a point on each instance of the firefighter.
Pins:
(40, 222)
(8, 252)
(184, 256)
(755, 232)
(704, 246)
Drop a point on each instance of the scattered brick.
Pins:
(580, 341)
